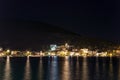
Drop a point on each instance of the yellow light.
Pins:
(71, 53)
(53, 54)
(1, 49)
(28, 51)
(8, 51)
(77, 54)
(110, 55)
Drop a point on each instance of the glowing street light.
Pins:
(8, 51)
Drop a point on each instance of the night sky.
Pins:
(96, 18)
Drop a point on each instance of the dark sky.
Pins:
(99, 18)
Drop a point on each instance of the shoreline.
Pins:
(60, 56)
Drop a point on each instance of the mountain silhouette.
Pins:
(35, 35)
(31, 34)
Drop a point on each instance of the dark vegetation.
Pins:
(23, 35)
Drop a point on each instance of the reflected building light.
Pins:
(77, 77)
(85, 69)
(97, 68)
(54, 70)
(111, 68)
(119, 69)
(55, 58)
(77, 64)
(84, 56)
(77, 58)
(27, 75)
(40, 58)
(104, 67)
(66, 74)
(97, 62)
(7, 71)
(40, 70)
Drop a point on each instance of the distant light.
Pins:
(53, 47)
(28, 51)
(66, 45)
(1, 49)
(71, 53)
(77, 54)
(111, 55)
(8, 51)
(49, 53)
(85, 50)
(52, 54)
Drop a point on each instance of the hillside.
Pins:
(36, 35)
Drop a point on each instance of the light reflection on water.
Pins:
(111, 69)
(7, 70)
(97, 69)
(27, 73)
(66, 70)
(54, 68)
(77, 69)
(119, 70)
(85, 69)
(40, 70)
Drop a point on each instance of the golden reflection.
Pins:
(27, 70)
(97, 66)
(97, 69)
(119, 69)
(111, 68)
(66, 70)
(77, 70)
(66, 57)
(85, 69)
(104, 66)
(7, 70)
(40, 70)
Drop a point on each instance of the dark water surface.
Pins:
(56, 68)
